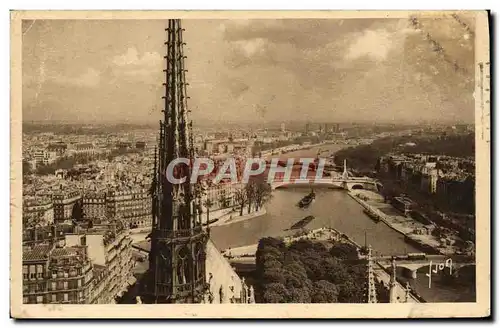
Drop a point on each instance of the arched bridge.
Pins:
(344, 180)
(452, 263)
(347, 184)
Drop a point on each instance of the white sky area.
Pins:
(336, 70)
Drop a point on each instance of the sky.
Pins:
(334, 70)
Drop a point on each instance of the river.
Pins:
(332, 208)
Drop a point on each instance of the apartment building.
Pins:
(38, 211)
(44, 157)
(56, 275)
(110, 250)
(64, 201)
(59, 148)
(94, 205)
(132, 206)
(93, 267)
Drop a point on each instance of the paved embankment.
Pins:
(402, 224)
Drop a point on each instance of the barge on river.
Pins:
(307, 200)
(371, 215)
(302, 223)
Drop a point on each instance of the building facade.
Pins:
(110, 251)
(84, 148)
(56, 275)
(59, 148)
(133, 207)
(221, 195)
(38, 211)
(91, 266)
(94, 205)
(64, 202)
(44, 157)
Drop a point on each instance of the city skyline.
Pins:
(251, 70)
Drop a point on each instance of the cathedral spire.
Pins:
(178, 240)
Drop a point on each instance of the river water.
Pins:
(332, 208)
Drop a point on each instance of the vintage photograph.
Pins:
(250, 160)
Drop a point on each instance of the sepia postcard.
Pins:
(274, 164)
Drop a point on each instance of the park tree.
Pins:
(240, 196)
(272, 242)
(344, 251)
(306, 271)
(223, 199)
(336, 271)
(261, 193)
(295, 275)
(250, 190)
(324, 291)
(299, 295)
(351, 292)
(273, 275)
(275, 293)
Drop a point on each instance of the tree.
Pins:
(272, 242)
(275, 293)
(306, 271)
(250, 194)
(273, 275)
(315, 268)
(240, 196)
(351, 292)
(262, 193)
(299, 295)
(324, 291)
(336, 271)
(344, 251)
(223, 199)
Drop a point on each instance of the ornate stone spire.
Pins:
(178, 241)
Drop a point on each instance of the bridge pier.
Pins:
(409, 273)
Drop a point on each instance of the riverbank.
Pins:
(233, 217)
(415, 233)
(296, 147)
(377, 212)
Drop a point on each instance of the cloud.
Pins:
(91, 78)
(375, 44)
(336, 64)
(132, 66)
(336, 70)
(132, 58)
(251, 47)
